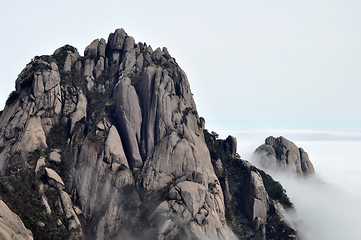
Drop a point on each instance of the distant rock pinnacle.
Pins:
(281, 153)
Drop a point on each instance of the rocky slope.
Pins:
(281, 153)
(11, 226)
(255, 203)
(109, 145)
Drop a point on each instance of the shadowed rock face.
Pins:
(281, 153)
(123, 128)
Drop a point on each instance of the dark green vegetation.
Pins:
(19, 186)
(235, 180)
(277, 229)
(58, 139)
(19, 189)
(60, 56)
(274, 188)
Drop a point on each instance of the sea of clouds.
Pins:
(327, 206)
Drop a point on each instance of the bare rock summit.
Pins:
(282, 154)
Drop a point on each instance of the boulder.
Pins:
(193, 194)
(230, 145)
(39, 164)
(55, 156)
(54, 176)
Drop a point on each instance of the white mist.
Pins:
(327, 205)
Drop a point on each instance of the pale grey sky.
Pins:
(251, 64)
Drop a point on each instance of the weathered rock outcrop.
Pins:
(254, 201)
(111, 137)
(281, 153)
(111, 145)
(11, 226)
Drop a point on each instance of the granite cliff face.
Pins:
(109, 145)
(281, 153)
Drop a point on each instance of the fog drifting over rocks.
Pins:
(327, 205)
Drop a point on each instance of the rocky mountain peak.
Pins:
(123, 122)
(110, 144)
(281, 153)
